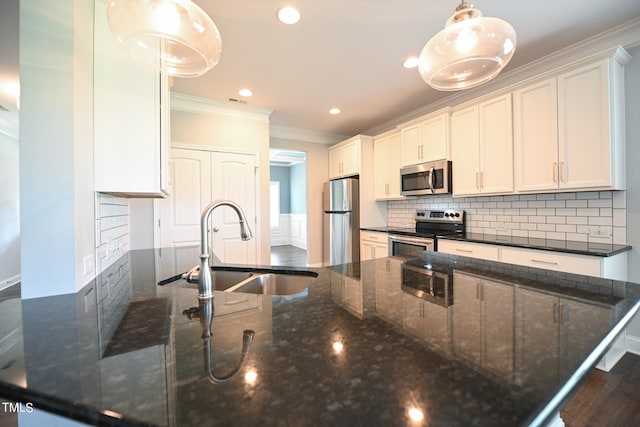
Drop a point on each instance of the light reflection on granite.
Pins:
(354, 350)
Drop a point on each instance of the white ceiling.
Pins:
(349, 54)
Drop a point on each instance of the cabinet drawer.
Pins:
(472, 250)
(374, 236)
(577, 264)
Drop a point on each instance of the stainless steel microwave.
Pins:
(426, 178)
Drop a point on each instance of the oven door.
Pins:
(409, 247)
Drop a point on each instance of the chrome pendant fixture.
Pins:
(469, 51)
(175, 37)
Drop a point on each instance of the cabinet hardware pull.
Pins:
(481, 179)
(478, 180)
(464, 250)
(544, 262)
(555, 171)
(555, 312)
(563, 172)
(478, 290)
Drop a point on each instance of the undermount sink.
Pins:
(274, 284)
(260, 281)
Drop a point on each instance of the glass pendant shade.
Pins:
(469, 51)
(173, 36)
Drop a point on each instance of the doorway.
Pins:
(288, 207)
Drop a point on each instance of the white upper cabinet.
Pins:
(426, 139)
(131, 119)
(386, 166)
(482, 148)
(569, 129)
(344, 159)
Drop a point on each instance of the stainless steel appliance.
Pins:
(426, 178)
(430, 224)
(429, 283)
(341, 221)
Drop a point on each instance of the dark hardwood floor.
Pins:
(288, 255)
(607, 399)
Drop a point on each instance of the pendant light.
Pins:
(173, 36)
(469, 51)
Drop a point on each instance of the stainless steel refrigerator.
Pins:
(341, 221)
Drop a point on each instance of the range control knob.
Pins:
(457, 214)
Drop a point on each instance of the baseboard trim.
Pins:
(7, 283)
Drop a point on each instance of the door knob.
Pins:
(216, 229)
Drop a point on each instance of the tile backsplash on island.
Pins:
(561, 216)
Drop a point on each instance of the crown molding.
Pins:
(194, 104)
(626, 35)
(303, 135)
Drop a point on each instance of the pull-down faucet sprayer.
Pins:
(205, 285)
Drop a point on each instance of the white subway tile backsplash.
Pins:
(562, 216)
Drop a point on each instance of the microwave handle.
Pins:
(431, 176)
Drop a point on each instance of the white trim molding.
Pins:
(7, 283)
(302, 135)
(194, 104)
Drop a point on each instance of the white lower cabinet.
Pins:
(469, 249)
(611, 267)
(481, 333)
(373, 245)
(428, 321)
(347, 291)
(551, 338)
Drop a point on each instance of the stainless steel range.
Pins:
(430, 224)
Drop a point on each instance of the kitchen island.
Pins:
(437, 340)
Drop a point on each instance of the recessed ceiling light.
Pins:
(288, 15)
(411, 62)
(334, 111)
(245, 92)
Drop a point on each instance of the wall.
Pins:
(9, 211)
(56, 146)
(282, 175)
(197, 121)
(298, 188)
(564, 216)
(317, 174)
(632, 100)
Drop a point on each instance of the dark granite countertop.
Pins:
(579, 248)
(459, 341)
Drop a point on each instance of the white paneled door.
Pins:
(198, 177)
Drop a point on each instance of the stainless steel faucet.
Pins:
(202, 273)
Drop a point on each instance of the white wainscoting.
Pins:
(292, 230)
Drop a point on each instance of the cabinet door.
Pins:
(381, 250)
(437, 329)
(394, 158)
(577, 340)
(335, 162)
(465, 152)
(434, 137)
(351, 158)
(536, 136)
(413, 315)
(367, 250)
(411, 145)
(497, 328)
(466, 317)
(381, 168)
(496, 145)
(584, 131)
(129, 154)
(536, 340)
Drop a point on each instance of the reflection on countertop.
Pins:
(465, 342)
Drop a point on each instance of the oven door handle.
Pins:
(431, 176)
(407, 239)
